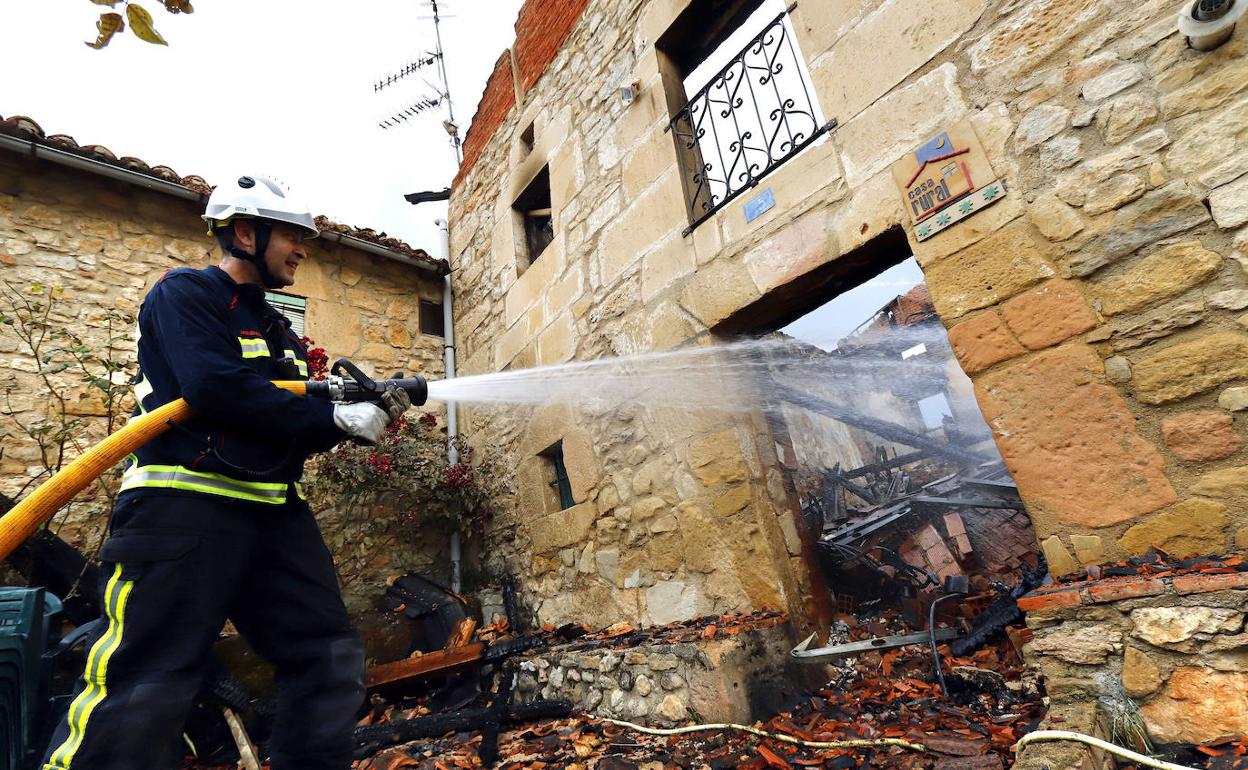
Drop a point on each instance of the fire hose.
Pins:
(42, 504)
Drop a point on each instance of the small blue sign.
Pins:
(760, 204)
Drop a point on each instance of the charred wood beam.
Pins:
(861, 491)
(881, 428)
(968, 502)
(373, 737)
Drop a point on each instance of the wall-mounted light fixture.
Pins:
(629, 91)
(1208, 24)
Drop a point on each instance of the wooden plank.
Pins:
(403, 672)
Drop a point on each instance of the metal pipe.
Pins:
(931, 630)
(448, 360)
(94, 166)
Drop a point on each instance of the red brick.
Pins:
(1131, 589)
(541, 28)
(1052, 600)
(1200, 584)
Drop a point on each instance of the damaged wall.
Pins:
(1098, 307)
(106, 242)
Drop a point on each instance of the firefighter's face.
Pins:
(285, 253)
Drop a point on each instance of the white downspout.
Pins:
(448, 359)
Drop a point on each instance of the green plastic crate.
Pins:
(26, 631)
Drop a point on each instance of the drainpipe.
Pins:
(448, 360)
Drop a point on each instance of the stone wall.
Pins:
(1098, 307)
(1167, 650)
(106, 242)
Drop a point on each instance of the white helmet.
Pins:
(257, 197)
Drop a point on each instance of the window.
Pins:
(526, 140)
(533, 206)
(751, 107)
(431, 318)
(294, 308)
(557, 474)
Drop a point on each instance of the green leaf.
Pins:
(141, 24)
(108, 25)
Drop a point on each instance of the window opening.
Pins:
(534, 208)
(431, 318)
(752, 107)
(294, 308)
(558, 474)
(526, 140)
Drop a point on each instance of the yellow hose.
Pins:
(43, 503)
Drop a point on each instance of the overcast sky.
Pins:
(283, 87)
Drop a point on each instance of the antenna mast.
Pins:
(452, 128)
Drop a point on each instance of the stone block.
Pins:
(1113, 193)
(1231, 299)
(1128, 115)
(671, 600)
(735, 499)
(651, 217)
(1159, 214)
(1051, 313)
(1061, 152)
(852, 75)
(1188, 368)
(1058, 557)
(582, 466)
(1224, 484)
(562, 528)
(717, 457)
(1040, 124)
(1032, 33)
(1201, 435)
(1205, 143)
(1083, 644)
(1198, 705)
(1209, 92)
(1229, 203)
(557, 343)
(1070, 441)
(1234, 399)
(1089, 549)
(1194, 526)
(1165, 273)
(718, 290)
(982, 341)
(799, 247)
(898, 123)
(1054, 219)
(819, 27)
(671, 260)
(1132, 331)
(994, 269)
(1111, 82)
(1141, 675)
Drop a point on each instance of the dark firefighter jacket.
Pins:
(217, 344)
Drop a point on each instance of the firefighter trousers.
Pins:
(174, 568)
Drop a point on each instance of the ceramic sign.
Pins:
(946, 180)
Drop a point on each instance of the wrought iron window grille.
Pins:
(744, 123)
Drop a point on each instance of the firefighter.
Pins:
(211, 524)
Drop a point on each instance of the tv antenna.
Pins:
(442, 88)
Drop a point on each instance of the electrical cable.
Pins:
(854, 744)
(1066, 735)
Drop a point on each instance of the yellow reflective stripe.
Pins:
(299, 490)
(299, 362)
(116, 596)
(178, 477)
(253, 348)
(142, 390)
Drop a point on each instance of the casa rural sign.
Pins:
(946, 180)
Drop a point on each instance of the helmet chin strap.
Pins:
(263, 232)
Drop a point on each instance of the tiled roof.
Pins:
(24, 128)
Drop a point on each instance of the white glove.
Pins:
(364, 421)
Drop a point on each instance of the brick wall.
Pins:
(496, 102)
(541, 28)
